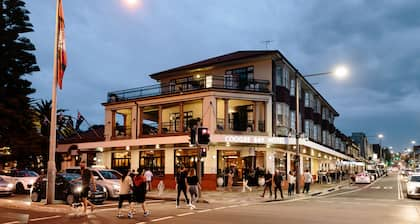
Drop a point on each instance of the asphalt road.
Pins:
(381, 203)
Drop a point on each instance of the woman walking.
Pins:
(292, 181)
(193, 186)
(230, 180)
(140, 190)
(126, 185)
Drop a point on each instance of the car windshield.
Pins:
(415, 179)
(25, 173)
(70, 176)
(110, 174)
(371, 171)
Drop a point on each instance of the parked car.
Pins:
(363, 178)
(413, 186)
(67, 188)
(108, 178)
(6, 188)
(374, 174)
(22, 180)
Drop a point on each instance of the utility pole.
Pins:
(297, 162)
(267, 42)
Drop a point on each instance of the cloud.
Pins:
(111, 47)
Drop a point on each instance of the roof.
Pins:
(94, 134)
(238, 55)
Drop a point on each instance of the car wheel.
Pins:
(70, 199)
(19, 188)
(35, 197)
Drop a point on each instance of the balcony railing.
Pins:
(186, 85)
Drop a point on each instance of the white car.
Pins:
(108, 178)
(413, 186)
(6, 188)
(363, 178)
(22, 180)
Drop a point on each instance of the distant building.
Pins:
(360, 139)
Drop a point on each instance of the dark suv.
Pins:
(67, 188)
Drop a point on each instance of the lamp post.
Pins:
(340, 72)
(380, 136)
(414, 154)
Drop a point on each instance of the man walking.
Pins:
(268, 183)
(292, 182)
(181, 185)
(87, 180)
(307, 177)
(148, 174)
(278, 179)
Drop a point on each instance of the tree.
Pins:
(17, 130)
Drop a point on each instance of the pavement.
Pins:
(380, 203)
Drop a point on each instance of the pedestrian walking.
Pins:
(126, 185)
(140, 191)
(278, 179)
(292, 182)
(307, 177)
(181, 185)
(87, 180)
(193, 187)
(245, 182)
(148, 174)
(230, 180)
(268, 183)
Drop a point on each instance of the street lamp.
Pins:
(380, 136)
(340, 72)
(132, 3)
(414, 154)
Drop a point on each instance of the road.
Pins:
(381, 202)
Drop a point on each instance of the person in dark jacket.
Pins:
(278, 179)
(268, 183)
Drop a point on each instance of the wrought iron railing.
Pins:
(190, 84)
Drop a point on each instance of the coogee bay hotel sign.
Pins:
(249, 139)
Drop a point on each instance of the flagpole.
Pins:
(53, 125)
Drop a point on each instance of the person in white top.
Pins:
(148, 174)
(125, 193)
(307, 177)
(292, 182)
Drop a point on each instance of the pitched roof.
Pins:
(238, 55)
(94, 134)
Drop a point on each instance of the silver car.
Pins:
(413, 186)
(108, 178)
(6, 188)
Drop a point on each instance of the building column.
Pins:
(226, 121)
(210, 162)
(107, 157)
(181, 117)
(288, 156)
(133, 121)
(108, 124)
(269, 160)
(269, 117)
(254, 116)
(140, 122)
(135, 159)
(160, 120)
(209, 119)
(169, 161)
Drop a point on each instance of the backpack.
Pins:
(139, 181)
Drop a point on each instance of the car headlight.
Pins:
(78, 189)
(104, 189)
(116, 188)
(31, 182)
(9, 186)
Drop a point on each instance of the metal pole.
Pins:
(51, 162)
(297, 162)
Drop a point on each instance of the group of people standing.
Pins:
(275, 182)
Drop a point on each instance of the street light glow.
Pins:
(413, 142)
(341, 72)
(132, 3)
(380, 136)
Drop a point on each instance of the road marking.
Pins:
(14, 222)
(44, 218)
(185, 214)
(219, 208)
(376, 187)
(141, 223)
(161, 219)
(387, 188)
(233, 206)
(206, 210)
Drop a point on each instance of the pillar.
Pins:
(226, 122)
(135, 159)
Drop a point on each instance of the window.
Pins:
(286, 78)
(307, 128)
(153, 160)
(239, 77)
(292, 87)
(307, 99)
(282, 112)
(120, 161)
(318, 106)
(172, 85)
(282, 76)
(293, 120)
(324, 137)
(316, 133)
(280, 162)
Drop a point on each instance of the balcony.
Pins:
(189, 84)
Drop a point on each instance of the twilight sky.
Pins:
(113, 47)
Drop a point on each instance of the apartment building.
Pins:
(247, 101)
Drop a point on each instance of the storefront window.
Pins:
(280, 162)
(153, 160)
(187, 158)
(307, 164)
(121, 161)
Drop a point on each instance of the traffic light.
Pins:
(203, 152)
(192, 136)
(203, 136)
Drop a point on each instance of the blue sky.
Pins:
(113, 47)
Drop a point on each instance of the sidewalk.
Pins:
(239, 197)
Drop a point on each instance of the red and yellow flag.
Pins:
(61, 46)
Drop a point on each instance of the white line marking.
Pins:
(141, 223)
(233, 206)
(185, 214)
(219, 208)
(44, 218)
(14, 222)
(387, 188)
(161, 219)
(378, 187)
(206, 210)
